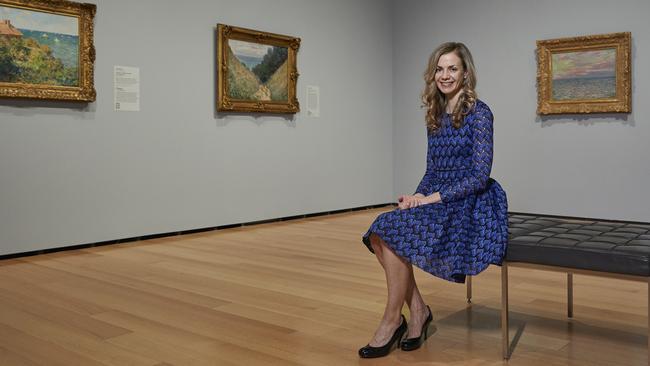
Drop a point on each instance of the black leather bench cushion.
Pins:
(604, 246)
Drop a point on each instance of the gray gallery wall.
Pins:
(73, 174)
(577, 165)
(80, 174)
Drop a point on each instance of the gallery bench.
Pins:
(612, 249)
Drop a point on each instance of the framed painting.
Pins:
(588, 74)
(46, 50)
(256, 71)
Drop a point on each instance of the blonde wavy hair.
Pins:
(435, 101)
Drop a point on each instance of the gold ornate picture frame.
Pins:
(588, 74)
(46, 50)
(256, 71)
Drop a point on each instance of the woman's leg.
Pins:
(378, 246)
(413, 298)
(417, 307)
(397, 280)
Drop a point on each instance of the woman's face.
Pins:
(449, 74)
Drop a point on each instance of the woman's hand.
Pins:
(409, 201)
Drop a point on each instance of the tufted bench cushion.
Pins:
(605, 246)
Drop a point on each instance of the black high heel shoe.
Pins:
(371, 352)
(411, 344)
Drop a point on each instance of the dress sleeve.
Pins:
(482, 148)
(426, 184)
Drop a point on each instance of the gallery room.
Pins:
(343, 182)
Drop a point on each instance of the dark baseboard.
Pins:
(186, 232)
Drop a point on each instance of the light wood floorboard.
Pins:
(301, 292)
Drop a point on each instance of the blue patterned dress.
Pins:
(468, 229)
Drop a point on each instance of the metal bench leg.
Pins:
(505, 338)
(468, 281)
(569, 294)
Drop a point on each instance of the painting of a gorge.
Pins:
(38, 47)
(584, 75)
(257, 71)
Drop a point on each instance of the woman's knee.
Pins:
(377, 244)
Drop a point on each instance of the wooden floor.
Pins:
(303, 292)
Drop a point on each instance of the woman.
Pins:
(456, 222)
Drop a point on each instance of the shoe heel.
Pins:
(372, 352)
(402, 337)
(395, 345)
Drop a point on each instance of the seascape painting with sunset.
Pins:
(584, 75)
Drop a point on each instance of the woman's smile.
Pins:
(448, 73)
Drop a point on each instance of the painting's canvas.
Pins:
(584, 75)
(38, 47)
(257, 71)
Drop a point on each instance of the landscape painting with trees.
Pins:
(38, 47)
(256, 71)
